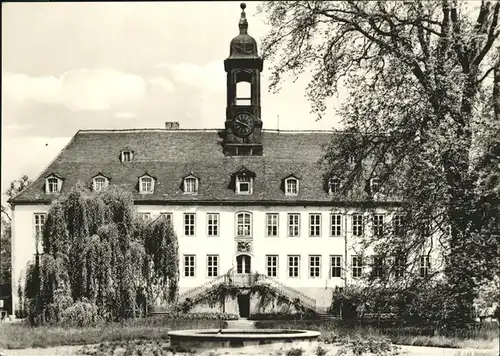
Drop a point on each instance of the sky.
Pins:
(70, 66)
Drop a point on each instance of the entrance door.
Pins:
(244, 305)
(243, 264)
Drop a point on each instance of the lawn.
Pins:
(20, 335)
(484, 337)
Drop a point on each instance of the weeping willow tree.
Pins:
(94, 250)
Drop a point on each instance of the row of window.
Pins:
(244, 224)
(293, 268)
(243, 184)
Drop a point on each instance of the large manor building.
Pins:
(240, 198)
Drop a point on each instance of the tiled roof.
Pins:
(170, 155)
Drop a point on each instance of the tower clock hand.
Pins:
(244, 124)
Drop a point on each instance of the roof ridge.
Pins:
(131, 130)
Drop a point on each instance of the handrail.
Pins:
(311, 301)
(250, 279)
(194, 291)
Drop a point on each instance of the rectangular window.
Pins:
(399, 266)
(145, 216)
(375, 185)
(425, 266)
(167, 216)
(244, 184)
(213, 224)
(243, 224)
(272, 265)
(189, 265)
(53, 185)
(189, 223)
(314, 224)
(271, 224)
(146, 184)
(213, 265)
(293, 266)
(292, 186)
(190, 185)
(398, 225)
(357, 225)
(334, 185)
(99, 184)
(314, 266)
(425, 227)
(378, 267)
(336, 225)
(293, 225)
(126, 156)
(357, 266)
(378, 225)
(335, 266)
(39, 223)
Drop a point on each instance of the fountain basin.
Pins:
(214, 338)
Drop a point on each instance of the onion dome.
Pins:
(243, 45)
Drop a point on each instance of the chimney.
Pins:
(171, 125)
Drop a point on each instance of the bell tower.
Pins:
(243, 124)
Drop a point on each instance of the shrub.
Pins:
(295, 352)
(201, 316)
(81, 313)
(307, 315)
(319, 351)
(369, 346)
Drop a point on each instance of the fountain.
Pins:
(213, 338)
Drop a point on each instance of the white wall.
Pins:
(23, 243)
(224, 245)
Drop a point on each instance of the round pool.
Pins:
(212, 338)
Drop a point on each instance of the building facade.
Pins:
(240, 198)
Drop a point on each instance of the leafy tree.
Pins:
(94, 253)
(422, 114)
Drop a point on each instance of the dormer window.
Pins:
(53, 184)
(291, 186)
(334, 185)
(126, 156)
(244, 184)
(375, 185)
(100, 182)
(146, 184)
(243, 181)
(190, 184)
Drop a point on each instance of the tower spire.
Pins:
(243, 25)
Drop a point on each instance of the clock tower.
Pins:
(243, 124)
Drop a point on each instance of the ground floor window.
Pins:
(213, 265)
(189, 265)
(335, 266)
(314, 266)
(272, 265)
(357, 266)
(425, 266)
(293, 266)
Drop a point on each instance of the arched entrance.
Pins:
(243, 264)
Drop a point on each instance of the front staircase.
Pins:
(247, 281)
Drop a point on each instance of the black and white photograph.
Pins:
(282, 178)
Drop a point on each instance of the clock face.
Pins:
(243, 124)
